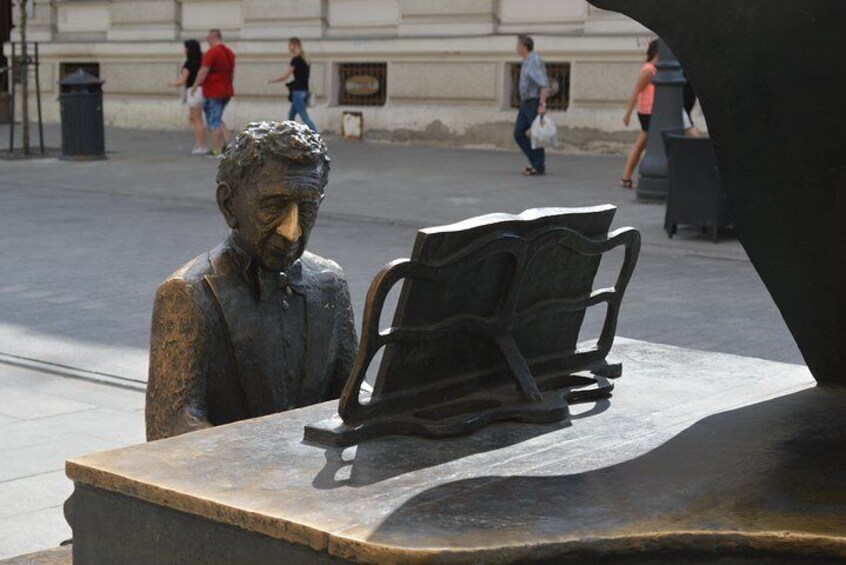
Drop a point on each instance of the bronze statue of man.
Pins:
(257, 325)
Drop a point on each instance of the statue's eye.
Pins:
(308, 211)
(273, 207)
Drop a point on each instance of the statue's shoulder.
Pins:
(189, 276)
(319, 269)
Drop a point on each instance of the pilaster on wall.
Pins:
(601, 22)
(199, 16)
(542, 16)
(82, 19)
(446, 17)
(40, 27)
(144, 20)
(362, 18)
(281, 19)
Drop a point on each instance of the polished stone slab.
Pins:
(696, 452)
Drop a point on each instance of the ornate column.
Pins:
(666, 114)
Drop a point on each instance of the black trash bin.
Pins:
(696, 196)
(81, 101)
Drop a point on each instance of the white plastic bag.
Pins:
(544, 132)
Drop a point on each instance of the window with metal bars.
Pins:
(558, 97)
(362, 84)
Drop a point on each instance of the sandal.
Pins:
(626, 183)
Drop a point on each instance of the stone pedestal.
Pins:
(697, 455)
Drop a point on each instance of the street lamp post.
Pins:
(667, 110)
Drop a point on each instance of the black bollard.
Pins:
(653, 179)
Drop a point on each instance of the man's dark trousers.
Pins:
(527, 115)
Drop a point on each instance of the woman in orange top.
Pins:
(643, 96)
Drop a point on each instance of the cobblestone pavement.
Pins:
(84, 246)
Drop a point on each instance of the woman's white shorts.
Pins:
(194, 100)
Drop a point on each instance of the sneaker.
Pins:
(200, 151)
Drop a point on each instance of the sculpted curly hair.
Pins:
(287, 141)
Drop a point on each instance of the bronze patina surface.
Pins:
(258, 325)
(486, 327)
(767, 76)
(56, 556)
(732, 458)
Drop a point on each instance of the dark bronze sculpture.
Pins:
(487, 327)
(769, 83)
(258, 325)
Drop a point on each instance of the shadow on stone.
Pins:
(745, 477)
(371, 463)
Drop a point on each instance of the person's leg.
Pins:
(520, 126)
(634, 155)
(214, 117)
(292, 110)
(222, 132)
(298, 105)
(537, 157)
(539, 160)
(195, 117)
(212, 109)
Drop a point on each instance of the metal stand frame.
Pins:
(24, 66)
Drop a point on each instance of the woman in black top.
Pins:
(298, 87)
(193, 60)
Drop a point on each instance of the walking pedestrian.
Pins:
(688, 102)
(216, 75)
(298, 88)
(643, 96)
(534, 87)
(193, 98)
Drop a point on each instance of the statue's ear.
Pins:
(224, 202)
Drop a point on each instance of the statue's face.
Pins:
(275, 211)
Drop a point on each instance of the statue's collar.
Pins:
(264, 283)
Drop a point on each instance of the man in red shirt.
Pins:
(215, 76)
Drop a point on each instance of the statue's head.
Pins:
(269, 188)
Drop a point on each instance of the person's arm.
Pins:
(201, 78)
(176, 386)
(544, 92)
(284, 77)
(183, 79)
(539, 76)
(642, 82)
(346, 339)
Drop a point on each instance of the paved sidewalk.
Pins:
(44, 420)
(84, 246)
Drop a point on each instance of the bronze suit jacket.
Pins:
(230, 341)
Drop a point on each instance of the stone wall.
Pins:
(448, 61)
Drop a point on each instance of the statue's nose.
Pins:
(289, 227)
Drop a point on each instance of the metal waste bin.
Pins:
(81, 101)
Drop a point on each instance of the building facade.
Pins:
(439, 71)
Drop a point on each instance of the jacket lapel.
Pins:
(320, 336)
(250, 333)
